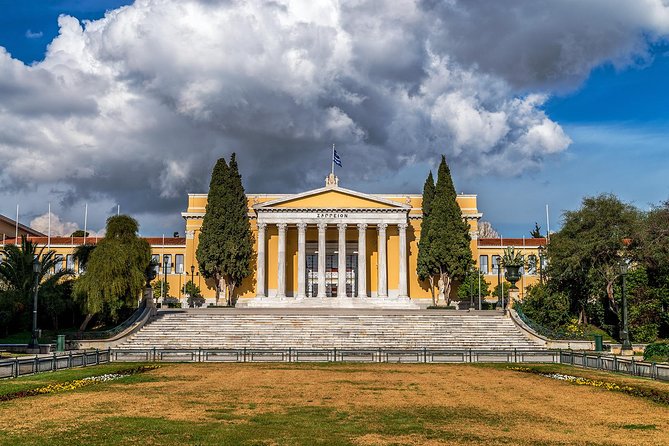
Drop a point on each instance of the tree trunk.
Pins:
(83, 325)
(434, 300)
(612, 299)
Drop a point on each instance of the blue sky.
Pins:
(616, 118)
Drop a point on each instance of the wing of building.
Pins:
(325, 243)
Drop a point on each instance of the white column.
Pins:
(321, 259)
(281, 280)
(301, 259)
(403, 259)
(382, 289)
(362, 260)
(341, 257)
(260, 263)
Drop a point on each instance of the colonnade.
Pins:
(382, 276)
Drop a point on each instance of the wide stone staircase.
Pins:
(353, 329)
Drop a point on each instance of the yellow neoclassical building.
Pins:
(299, 239)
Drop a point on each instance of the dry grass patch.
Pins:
(347, 404)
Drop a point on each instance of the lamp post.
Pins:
(624, 333)
(471, 290)
(164, 290)
(192, 275)
(500, 301)
(37, 269)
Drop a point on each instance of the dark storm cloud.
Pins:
(135, 108)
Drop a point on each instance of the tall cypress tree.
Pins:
(211, 244)
(238, 246)
(225, 247)
(448, 232)
(426, 269)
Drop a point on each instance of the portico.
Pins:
(341, 265)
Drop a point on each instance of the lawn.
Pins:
(334, 404)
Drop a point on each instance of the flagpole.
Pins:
(85, 222)
(332, 160)
(48, 242)
(548, 226)
(118, 210)
(16, 233)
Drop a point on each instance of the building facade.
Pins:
(327, 243)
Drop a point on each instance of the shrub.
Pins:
(657, 352)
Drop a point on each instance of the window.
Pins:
(58, 266)
(155, 258)
(483, 264)
(496, 261)
(69, 262)
(532, 264)
(179, 263)
(167, 263)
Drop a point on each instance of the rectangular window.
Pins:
(58, 267)
(167, 263)
(69, 262)
(155, 258)
(496, 261)
(483, 264)
(179, 263)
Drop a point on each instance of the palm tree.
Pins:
(18, 275)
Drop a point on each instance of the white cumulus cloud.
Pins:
(135, 107)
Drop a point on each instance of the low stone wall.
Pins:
(553, 344)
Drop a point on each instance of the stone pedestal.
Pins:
(513, 297)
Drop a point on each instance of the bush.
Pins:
(657, 352)
(548, 308)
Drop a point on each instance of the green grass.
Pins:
(43, 379)
(307, 425)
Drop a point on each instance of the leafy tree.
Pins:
(195, 298)
(81, 255)
(160, 289)
(585, 255)
(536, 232)
(426, 269)
(546, 307)
(225, 248)
(448, 233)
(80, 233)
(470, 284)
(486, 230)
(18, 279)
(115, 274)
(505, 287)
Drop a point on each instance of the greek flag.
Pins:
(335, 158)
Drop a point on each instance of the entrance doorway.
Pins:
(331, 270)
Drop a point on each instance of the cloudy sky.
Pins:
(534, 102)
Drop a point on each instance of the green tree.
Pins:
(426, 268)
(448, 233)
(81, 255)
(548, 308)
(115, 274)
(536, 232)
(195, 298)
(160, 288)
(80, 233)
(470, 285)
(585, 255)
(225, 248)
(18, 277)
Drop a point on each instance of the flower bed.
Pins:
(77, 383)
(653, 394)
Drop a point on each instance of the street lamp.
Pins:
(192, 275)
(624, 333)
(37, 269)
(165, 263)
(471, 289)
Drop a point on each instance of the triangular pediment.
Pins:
(331, 197)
